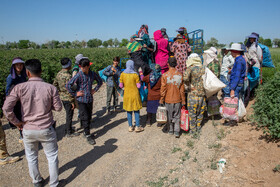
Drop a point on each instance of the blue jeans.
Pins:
(136, 115)
(237, 91)
(226, 90)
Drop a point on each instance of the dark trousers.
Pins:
(69, 116)
(17, 111)
(85, 111)
(112, 91)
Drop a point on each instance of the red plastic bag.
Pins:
(230, 108)
(185, 122)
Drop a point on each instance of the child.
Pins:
(131, 99)
(172, 93)
(60, 81)
(83, 91)
(153, 81)
(113, 73)
(17, 75)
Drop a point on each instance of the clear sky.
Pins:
(227, 21)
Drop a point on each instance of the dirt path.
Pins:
(151, 158)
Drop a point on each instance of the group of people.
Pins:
(167, 69)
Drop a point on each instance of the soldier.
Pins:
(60, 81)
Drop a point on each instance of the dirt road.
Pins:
(151, 158)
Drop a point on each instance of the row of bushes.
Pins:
(267, 103)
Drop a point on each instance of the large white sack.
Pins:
(211, 83)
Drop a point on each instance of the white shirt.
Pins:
(255, 53)
(228, 62)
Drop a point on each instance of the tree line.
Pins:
(55, 44)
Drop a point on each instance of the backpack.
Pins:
(267, 60)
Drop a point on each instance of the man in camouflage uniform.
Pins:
(196, 96)
(60, 81)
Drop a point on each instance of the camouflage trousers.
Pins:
(196, 108)
(3, 148)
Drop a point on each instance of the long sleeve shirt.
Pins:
(37, 99)
(228, 62)
(172, 88)
(238, 72)
(255, 53)
(84, 83)
(12, 82)
(112, 76)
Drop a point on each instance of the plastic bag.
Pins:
(213, 106)
(211, 83)
(143, 92)
(161, 114)
(185, 122)
(230, 108)
(102, 76)
(241, 110)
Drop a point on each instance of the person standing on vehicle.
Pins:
(37, 99)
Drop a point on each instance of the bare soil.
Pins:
(151, 158)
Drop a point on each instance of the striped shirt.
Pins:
(84, 83)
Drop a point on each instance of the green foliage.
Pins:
(221, 134)
(276, 42)
(158, 183)
(190, 144)
(175, 149)
(277, 168)
(94, 43)
(50, 59)
(215, 146)
(267, 107)
(23, 44)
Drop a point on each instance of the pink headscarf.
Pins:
(161, 54)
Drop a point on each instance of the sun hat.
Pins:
(67, 65)
(235, 47)
(17, 61)
(254, 35)
(180, 30)
(78, 58)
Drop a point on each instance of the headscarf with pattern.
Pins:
(155, 75)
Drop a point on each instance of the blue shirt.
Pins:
(238, 73)
(12, 82)
(84, 83)
(112, 77)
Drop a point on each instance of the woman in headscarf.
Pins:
(17, 75)
(129, 80)
(211, 60)
(180, 48)
(161, 51)
(148, 47)
(196, 94)
(154, 83)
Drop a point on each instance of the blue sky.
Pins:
(227, 21)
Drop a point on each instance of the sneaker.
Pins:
(8, 160)
(40, 184)
(90, 140)
(177, 134)
(70, 135)
(139, 129)
(130, 129)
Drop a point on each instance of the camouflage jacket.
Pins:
(193, 77)
(215, 67)
(60, 81)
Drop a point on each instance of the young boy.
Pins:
(60, 81)
(172, 93)
(83, 92)
(113, 72)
